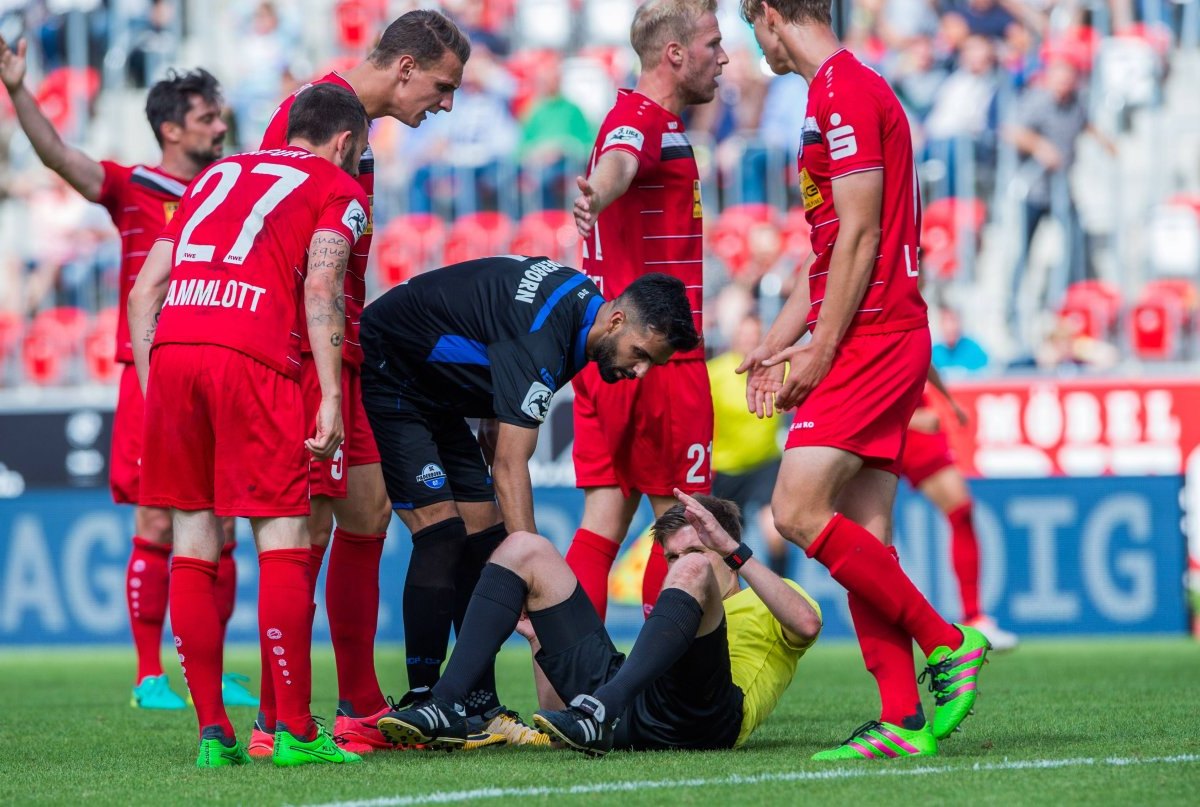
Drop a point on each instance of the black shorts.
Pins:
(694, 705)
(751, 488)
(427, 457)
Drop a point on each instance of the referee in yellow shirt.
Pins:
(746, 453)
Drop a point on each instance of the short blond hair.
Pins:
(792, 11)
(657, 23)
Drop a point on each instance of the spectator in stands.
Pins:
(961, 124)
(263, 54)
(1068, 346)
(988, 18)
(555, 138)
(1049, 120)
(956, 351)
(916, 75)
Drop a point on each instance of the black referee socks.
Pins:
(429, 598)
(491, 617)
(663, 640)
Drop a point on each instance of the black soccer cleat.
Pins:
(420, 719)
(582, 726)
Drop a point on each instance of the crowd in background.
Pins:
(1024, 266)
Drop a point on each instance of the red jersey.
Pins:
(241, 245)
(853, 123)
(658, 224)
(140, 200)
(356, 271)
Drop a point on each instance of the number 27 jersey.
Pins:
(854, 123)
(240, 260)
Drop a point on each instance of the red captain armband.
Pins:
(738, 557)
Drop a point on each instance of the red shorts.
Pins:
(224, 433)
(125, 458)
(863, 406)
(328, 477)
(649, 435)
(925, 454)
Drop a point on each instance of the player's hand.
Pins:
(330, 432)
(763, 382)
(707, 528)
(585, 208)
(489, 430)
(12, 65)
(808, 366)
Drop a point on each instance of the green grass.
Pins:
(67, 734)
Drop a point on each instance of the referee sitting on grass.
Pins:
(708, 667)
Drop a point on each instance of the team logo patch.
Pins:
(432, 476)
(627, 135)
(355, 219)
(537, 401)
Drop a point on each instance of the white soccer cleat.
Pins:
(1000, 639)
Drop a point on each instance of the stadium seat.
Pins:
(407, 246)
(943, 220)
(478, 235)
(1156, 326)
(12, 325)
(43, 360)
(357, 21)
(797, 236)
(99, 348)
(1093, 306)
(65, 325)
(547, 232)
(54, 94)
(1076, 45)
(731, 238)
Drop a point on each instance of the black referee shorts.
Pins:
(426, 457)
(695, 705)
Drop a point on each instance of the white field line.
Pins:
(866, 772)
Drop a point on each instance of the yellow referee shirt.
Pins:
(761, 659)
(741, 442)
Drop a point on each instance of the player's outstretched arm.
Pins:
(800, 621)
(510, 472)
(145, 303)
(610, 178)
(325, 311)
(82, 172)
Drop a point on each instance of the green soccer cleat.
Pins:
(218, 751)
(877, 740)
(154, 692)
(234, 692)
(322, 750)
(953, 676)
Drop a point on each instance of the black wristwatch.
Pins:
(738, 557)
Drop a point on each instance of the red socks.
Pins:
(887, 654)
(964, 554)
(591, 557)
(652, 578)
(146, 584)
(285, 634)
(226, 587)
(864, 567)
(352, 601)
(198, 637)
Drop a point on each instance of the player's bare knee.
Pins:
(799, 528)
(521, 549)
(693, 574)
(154, 525)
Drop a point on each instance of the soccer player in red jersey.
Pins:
(928, 465)
(855, 385)
(184, 110)
(257, 252)
(413, 71)
(639, 211)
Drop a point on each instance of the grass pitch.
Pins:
(1064, 722)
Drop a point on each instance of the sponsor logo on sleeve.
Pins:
(432, 476)
(809, 191)
(355, 219)
(169, 209)
(537, 401)
(627, 135)
(842, 142)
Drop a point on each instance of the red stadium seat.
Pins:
(797, 236)
(99, 348)
(43, 359)
(944, 220)
(12, 325)
(478, 235)
(357, 22)
(65, 325)
(409, 245)
(54, 93)
(730, 238)
(1156, 328)
(547, 232)
(1094, 306)
(1076, 45)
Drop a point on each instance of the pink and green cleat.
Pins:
(953, 677)
(876, 740)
